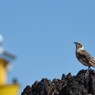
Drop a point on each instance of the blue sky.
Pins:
(41, 34)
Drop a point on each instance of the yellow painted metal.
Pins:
(6, 89)
(3, 72)
(12, 89)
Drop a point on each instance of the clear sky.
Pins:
(41, 33)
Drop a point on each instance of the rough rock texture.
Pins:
(81, 84)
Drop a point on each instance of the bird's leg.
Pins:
(87, 72)
(88, 68)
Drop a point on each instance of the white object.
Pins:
(1, 39)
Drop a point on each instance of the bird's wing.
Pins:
(88, 58)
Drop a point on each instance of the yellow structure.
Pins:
(12, 89)
(3, 64)
(5, 88)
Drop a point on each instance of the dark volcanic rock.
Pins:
(81, 84)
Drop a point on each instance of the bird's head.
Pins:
(79, 46)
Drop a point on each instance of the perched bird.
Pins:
(83, 56)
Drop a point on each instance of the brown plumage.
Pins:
(83, 56)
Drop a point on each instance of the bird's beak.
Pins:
(75, 42)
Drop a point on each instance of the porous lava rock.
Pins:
(83, 83)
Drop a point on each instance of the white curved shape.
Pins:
(1, 39)
(9, 67)
(1, 50)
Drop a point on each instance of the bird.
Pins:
(83, 56)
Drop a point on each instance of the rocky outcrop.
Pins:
(81, 84)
